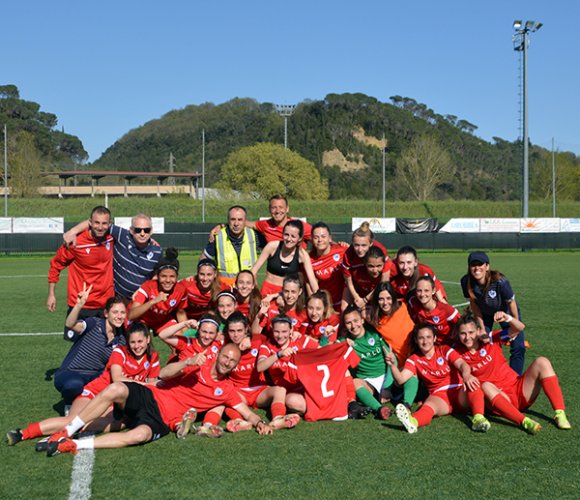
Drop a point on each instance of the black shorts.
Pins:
(141, 409)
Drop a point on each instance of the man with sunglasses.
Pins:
(135, 254)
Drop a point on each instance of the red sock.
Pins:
(233, 414)
(350, 392)
(32, 431)
(476, 401)
(424, 415)
(211, 417)
(278, 410)
(552, 389)
(503, 407)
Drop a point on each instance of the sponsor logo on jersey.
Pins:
(482, 352)
(147, 365)
(492, 294)
(214, 349)
(218, 391)
(172, 302)
(440, 360)
(294, 321)
(254, 352)
(371, 341)
(436, 319)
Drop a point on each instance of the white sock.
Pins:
(85, 443)
(74, 426)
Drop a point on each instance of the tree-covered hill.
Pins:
(343, 136)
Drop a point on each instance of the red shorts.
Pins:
(250, 394)
(451, 397)
(516, 395)
(268, 288)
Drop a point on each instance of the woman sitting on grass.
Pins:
(508, 393)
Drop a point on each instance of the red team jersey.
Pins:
(139, 371)
(163, 312)
(436, 373)
(195, 390)
(488, 364)
(245, 374)
(89, 262)
(297, 318)
(272, 232)
(317, 330)
(322, 373)
(328, 272)
(444, 317)
(189, 346)
(283, 372)
(352, 263)
(401, 284)
(198, 302)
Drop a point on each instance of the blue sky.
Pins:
(106, 67)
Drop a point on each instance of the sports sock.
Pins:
(233, 414)
(367, 399)
(503, 407)
(476, 401)
(278, 410)
(410, 389)
(85, 444)
(212, 418)
(32, 431)
(350, 392)
(423, 415)
(76, 425)
(552, 389)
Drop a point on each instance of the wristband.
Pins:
(279, 354)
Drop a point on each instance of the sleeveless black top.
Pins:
(276, 267)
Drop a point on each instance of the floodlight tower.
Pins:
(285, 110)
(521, 42)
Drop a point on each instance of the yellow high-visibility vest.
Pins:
(229, 263)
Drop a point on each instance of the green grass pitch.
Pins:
(364, 459)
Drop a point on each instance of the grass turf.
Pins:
(324, 459)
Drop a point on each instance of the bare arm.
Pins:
(400, 376)
(267, 252)
(70, 237)
(307, 263)
(72, 319)
(168, 335)
(476, 313)
(138, 310)
(172, 370)
(261, 427)
(470, 381)
(51, 300)
(516, 326)
(266, 362)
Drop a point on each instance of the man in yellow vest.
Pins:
(234, 248)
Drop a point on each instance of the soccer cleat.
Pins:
(285, 421)
(562, 421)
(383, 413)
(237, 425)
(186, 424)
(356, 410)
(531, 426)
(63, 445)
(404, 416)
(57, 436)
(41, 445)
(479, 423)
(13, 437)
(210, 431)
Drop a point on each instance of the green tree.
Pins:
(24, 166)
(267, 169)
(424, 166)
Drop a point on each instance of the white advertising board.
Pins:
(5, 224)
(499, 225)
(38, 225)
(542, 225)
(158, 223)
(376, 224)
(461, 226)
(570, 225)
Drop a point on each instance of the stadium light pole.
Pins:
(202, 175)
(521, 41)
(384, 174)
(285, 110)
(5, 171)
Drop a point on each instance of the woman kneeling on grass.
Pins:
(451, 385)
(134, 362)
(508, 393)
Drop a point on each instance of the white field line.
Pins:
(450, 282)
(39, 334)
(82, 475)
(461, 305)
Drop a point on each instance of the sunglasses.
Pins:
(145, 230)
